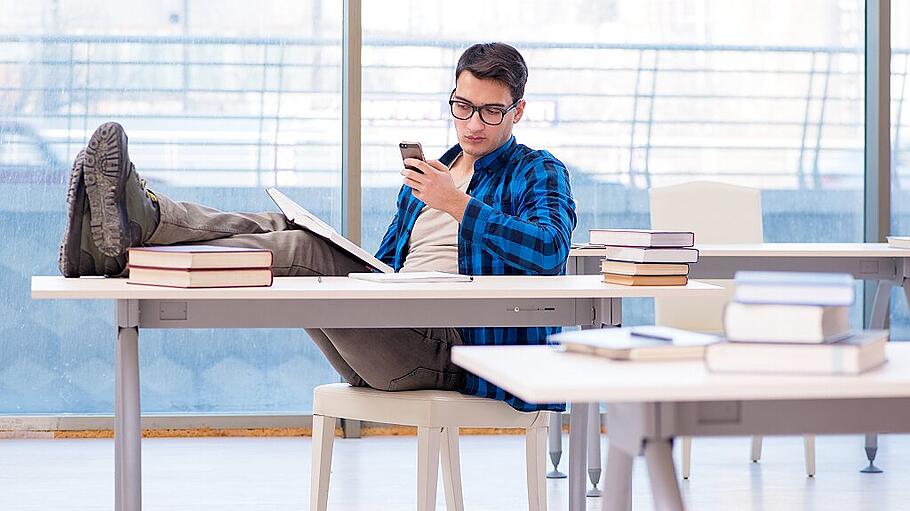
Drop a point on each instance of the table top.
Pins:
(546, 374)
(344, 288)
(780, 250)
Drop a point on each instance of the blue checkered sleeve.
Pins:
(537, 238)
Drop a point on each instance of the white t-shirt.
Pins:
(434, 240)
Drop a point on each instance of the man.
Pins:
(488, 206)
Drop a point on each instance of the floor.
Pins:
(377, 473)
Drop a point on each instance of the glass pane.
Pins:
(631, 94)
(900, 150)
(220, 99)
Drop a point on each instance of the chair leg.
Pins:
(451, 469)
(686, 456)
(809, 444)
(321, 464)
(427, 467)
(536, 462)
(755, 455)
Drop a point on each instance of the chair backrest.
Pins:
(718, 213)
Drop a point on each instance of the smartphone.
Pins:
(411, 150)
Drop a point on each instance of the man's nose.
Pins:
(474, 123)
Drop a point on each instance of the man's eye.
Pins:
(464, 107)
(492, 111)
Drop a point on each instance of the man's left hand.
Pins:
(435, 187)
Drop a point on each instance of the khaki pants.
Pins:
(382, 358)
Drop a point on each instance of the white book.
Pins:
(793, 278)
(636, 343)
(413, 276)
(299, 215)
(794, 295)
(652, 255)
(899, 241)
(641, 238)
(808, 324)
(856, 354)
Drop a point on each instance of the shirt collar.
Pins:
(494, 160)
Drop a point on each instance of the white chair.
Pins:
(437, 416)
(718, 213)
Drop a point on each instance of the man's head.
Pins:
(488, 97)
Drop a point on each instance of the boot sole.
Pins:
(106, 167)
(75, 207)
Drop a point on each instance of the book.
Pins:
(199, 257)
(785, 323)
(641, 238)
(793, 278)
(297, 214)
(637, 343)
(168, 277)
(626, 268)
(646, 280)
(899, 241)
(855, 354)
(795, 288)
(652, 255)
(414, 276)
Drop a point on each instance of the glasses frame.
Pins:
(475, 109)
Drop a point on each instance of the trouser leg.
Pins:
(396, 358)
(295, 252)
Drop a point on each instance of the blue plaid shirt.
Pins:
(519, 221)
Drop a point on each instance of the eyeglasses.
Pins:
(489, 114)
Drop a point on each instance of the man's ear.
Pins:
(519, 111)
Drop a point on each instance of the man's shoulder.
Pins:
(527, 160)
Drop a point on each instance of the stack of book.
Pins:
(793, 322)
(642, 257)
(199, 266)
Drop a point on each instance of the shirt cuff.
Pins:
(474, 222)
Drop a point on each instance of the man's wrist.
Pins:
(458, 206)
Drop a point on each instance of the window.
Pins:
(634, 94)
(219, 100)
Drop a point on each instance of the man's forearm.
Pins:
(457, 205)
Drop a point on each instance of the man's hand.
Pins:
(435, 187)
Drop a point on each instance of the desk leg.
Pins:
(578, 439)
(877, 321)
(594, 469)
(127, 418)
(618, 480)
(665, 489)
(555, 441)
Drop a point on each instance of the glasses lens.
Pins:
(461, 110)
(491, 115)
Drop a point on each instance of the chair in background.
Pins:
(437, 416)
(718, 213)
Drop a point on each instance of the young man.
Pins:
(488, 206)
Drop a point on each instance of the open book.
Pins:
(300, 216)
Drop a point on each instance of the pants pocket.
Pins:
(421, 378)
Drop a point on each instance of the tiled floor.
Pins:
(378, 474)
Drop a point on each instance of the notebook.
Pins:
(297, 214)
(415, 276)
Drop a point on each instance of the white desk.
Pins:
(332, 302)
(867, 261)
(650, 403)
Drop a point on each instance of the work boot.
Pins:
(78, 254)
(123, 212)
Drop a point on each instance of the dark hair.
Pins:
(496, 61)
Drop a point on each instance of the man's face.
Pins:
(476, 137)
